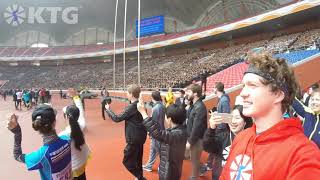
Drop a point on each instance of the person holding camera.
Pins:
(104, 100)
(223, 106)
(135, 132)
(220, 147)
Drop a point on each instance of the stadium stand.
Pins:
(232, 76)
(161, 72)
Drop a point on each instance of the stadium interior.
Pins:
(75, 47)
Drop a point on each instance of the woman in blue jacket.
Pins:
(311, 116)
(53, 158)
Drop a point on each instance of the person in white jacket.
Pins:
(77, 101)
(80, 152)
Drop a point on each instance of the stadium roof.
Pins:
(76, 22)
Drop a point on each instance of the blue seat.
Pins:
(294, 57)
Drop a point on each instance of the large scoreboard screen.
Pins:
(150, 26)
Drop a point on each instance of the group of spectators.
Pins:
(258, 133)
(29, 97)
(161, 72)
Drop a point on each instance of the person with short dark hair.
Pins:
(313, 88)
(36, 97)
(172, 140)
(135, 132)
(104, 100)
(203, 77)
(104, 92)
(42, 94)
(223, 106)
(196, 126)
(27, 99)
(14, 98)
(49, 95)
(188, 108)
(32, 94)
(53, 159)
(181, 98)
(158, 115)
(19, 98)
(5, 92)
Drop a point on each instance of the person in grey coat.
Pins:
(158, 115)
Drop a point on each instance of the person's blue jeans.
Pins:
(154, 151)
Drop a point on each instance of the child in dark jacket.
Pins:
(172, 140)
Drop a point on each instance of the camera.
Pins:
(108, 100)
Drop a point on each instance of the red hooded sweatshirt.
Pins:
(281, 152)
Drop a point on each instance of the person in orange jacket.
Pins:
(274, 148)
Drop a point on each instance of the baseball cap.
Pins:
(44, 113)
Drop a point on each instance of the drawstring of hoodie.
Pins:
(252, 156)
(241, 161)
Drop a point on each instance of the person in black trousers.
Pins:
(15, 99)
(203, 77)
(172, 140)
(104, 100)
(181, 98)
(135, 132)
(196, 127)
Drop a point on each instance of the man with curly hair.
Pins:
(273, 148)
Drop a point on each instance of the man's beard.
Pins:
(190, 98)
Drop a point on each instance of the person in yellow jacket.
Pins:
(169, 99)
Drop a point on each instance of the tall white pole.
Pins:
(114, 45)
(139, 42)
(124, 44)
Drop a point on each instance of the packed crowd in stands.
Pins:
(307, 38)
(160, 72)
